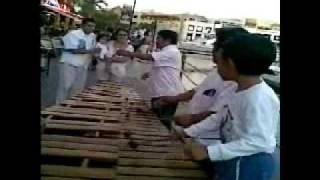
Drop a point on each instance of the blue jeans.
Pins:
(259, 166)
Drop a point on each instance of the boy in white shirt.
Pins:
(250, 118)
(79, 46)
(165, 79)
(103, 65)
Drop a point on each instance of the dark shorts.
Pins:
(165, 113)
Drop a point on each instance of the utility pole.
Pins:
(132, 14)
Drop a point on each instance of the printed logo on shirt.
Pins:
(210, 92)
(226, 126)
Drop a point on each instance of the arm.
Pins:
(187, 120)
(135, 55)
(255, 133)
(186, 96)
(81, 51)
(210, 123)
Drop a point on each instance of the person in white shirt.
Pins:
(206, 99)
(250, 118)
(118, 63)
(103, 65)
(165, 79)
(79, 46)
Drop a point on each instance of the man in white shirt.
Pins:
(248, 123)
(165, 79)
(79, 46)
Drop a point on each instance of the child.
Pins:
(103, 66)
(165, 79)
(250, 118)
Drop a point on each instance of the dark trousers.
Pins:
(165, 113)
(259, 166)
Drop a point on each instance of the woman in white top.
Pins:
(118, 63)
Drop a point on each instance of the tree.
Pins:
(95, 9)
(105, 18)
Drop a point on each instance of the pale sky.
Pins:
(260, 9)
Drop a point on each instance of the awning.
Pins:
(69, 15)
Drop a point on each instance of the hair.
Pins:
(101, 35)
(223, 33)
(251, 54)
(110, 29)
(117, 32)
(87, 20)
(169, 35)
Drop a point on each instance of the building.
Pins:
(195, 27)
(163, 21)
(225, 23)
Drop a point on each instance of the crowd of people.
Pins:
(233, 114)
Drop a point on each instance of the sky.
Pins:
(259, 9)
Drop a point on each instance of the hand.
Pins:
(145, 76)
(183, 120)
(177, 132)
(197, 151)
(121, 52)
(95, 51)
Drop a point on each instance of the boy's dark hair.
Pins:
(86, 20)
(251, 54)
(101, 35)
(223, 33)
(169, 35)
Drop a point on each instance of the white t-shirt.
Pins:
(77, 39)
(248, 124)
(104, 51)
(211, 94)
(165, 73)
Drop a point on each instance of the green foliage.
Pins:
(103, 17)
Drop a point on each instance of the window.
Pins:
(198, 36)
(199, 28)
(208, 29)
(189, 37)
(191, 28)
